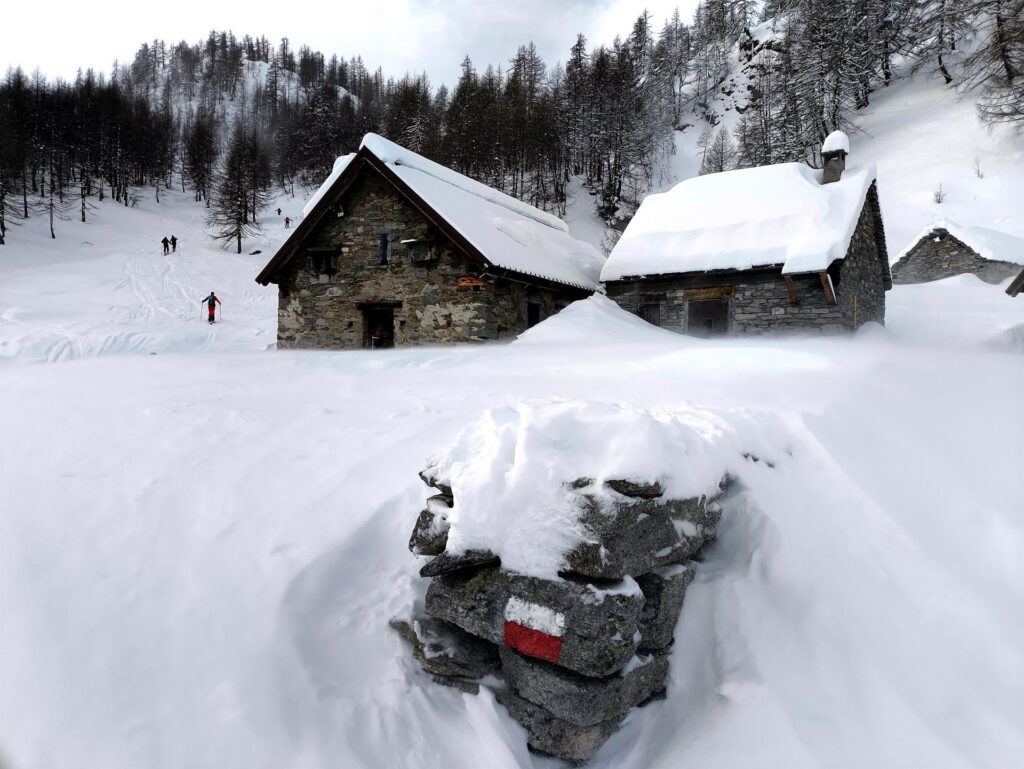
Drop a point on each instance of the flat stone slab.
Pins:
(445, 651)
(580, 700)
(583, 628)
(553, 736)
(446, 563)
(638, 533)
(664, 591)
(430, 534)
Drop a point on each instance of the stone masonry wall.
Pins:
(757, 306)
(939, 255)
(858, 283)
(319, 305)
(760, 302)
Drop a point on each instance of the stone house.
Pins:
(946, 248)
(395, 250)
(770, 249)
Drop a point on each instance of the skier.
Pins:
(287, 222)
(279, 212)
(166, 244)
(211, 304)
(174, 243)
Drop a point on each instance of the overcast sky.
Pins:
(60, 36)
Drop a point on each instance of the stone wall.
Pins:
(859, 281)
(577, 652)
(759, 304)
(337, 271)
(759, 300)
(940, 255)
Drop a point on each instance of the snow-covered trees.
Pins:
(997, 65)
(606, 117)
(200, 141)
(243, 189)
(720, 154)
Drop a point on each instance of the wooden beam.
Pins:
(826, 284)
(791, 288)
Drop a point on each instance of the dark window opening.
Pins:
(708, 317)
(324, 263)
(532, 314)
(835, 272)
(378, 327)
(651, 313)
(383, 248)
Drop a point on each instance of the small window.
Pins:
(532, 314)
(651, 313)
(383, 248)
(324, 263)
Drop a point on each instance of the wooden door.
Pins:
(708, 317)
(378, 327)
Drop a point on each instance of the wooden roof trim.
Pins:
(289, 248)
(767, 270)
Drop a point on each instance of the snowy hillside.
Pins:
(105, 287)
(202, 539)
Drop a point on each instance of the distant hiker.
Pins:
(211, 304)
(174, 243)
(279, 212)
(167, 245)
(287, 222)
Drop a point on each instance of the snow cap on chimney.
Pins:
(833, 152)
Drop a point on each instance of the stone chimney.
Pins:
(833, 154)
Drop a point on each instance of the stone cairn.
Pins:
(576, 653)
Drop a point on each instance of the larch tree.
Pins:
(242, 191)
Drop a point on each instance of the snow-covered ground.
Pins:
(200, 549)
(199, 553)
(105, 286)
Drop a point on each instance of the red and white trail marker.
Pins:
(533, 629)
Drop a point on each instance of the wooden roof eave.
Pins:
(271, 272)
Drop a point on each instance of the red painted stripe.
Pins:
(532, 642)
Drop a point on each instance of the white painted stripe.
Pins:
(534, 616)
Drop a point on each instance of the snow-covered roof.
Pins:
(339, 166)
(752, 217)
(988, 244)
(508, 232)
(836, 141)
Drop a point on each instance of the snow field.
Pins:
(202, 553)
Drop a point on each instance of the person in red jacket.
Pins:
(211, 304)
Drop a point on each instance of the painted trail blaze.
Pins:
(533, 629)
